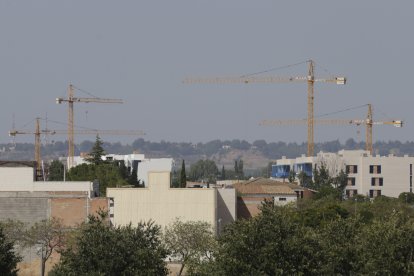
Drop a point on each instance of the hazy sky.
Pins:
(141, 51)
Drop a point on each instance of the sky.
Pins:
(141, 51)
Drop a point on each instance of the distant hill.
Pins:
(255, 155)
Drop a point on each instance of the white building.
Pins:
(367, 174)
(136, 162)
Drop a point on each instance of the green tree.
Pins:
(272, 243)
(292, 176)
(183, 176)
(98, 249)
(204, 170)
(191, 242)
(406, 197)
(223, 173)
(49, 236)
(107, 174)
(56, 171)
(8, 257)
(95, 156)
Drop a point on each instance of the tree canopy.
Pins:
(191, 243)
(8, 257)
(98, 249)
(320, 237)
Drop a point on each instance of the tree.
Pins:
(223, 173)
(98, 249)
(107, 174)
(204, 170)
(49, 236)
(95, 156)
(406, 197)
(56, 171)
(8, 258)
(292, 176)
(192, 243)
(183, 176)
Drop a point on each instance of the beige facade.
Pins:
(162, 204)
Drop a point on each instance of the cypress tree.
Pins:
(95, 156)
(183, 176)
(223, 173)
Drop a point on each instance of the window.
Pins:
(374, 193)
(411, 169)
(351, 181)
(377, 181)
(375, 169)
(351, 169)
(351, 193)
(282, 198)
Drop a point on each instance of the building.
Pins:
(29, 201)
(369, 175)
(163, 204)
(134, 162)
(251, 194)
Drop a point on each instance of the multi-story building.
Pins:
(370, 175)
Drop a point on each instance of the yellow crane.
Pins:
(368, 122)
(309, 79)
(38, 132)
(71, 99)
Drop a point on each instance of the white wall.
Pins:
(16, 175)
(161, 203)
(157, 164)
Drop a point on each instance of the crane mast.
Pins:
(311, 81)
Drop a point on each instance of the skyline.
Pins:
(141, 53)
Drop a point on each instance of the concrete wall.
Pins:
(161, 203)
(16, 175)
(148, 165)
(226, 207)
(27, 208)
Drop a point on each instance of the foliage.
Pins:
(99, 249)
(238, 169)
(328, 185)
(107, 174)
(49, 236)
(320, 237)
(56, 171)
(406, 197)
(95, 156)
(192, 243)
(8, 257)
(223, 173)
(292, 176)
(183, 176)
(204, 170)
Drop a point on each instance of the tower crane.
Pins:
(368, 122)
(309, 79)
(71, 99)
(38, 132)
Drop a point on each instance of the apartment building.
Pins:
(369, 175)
